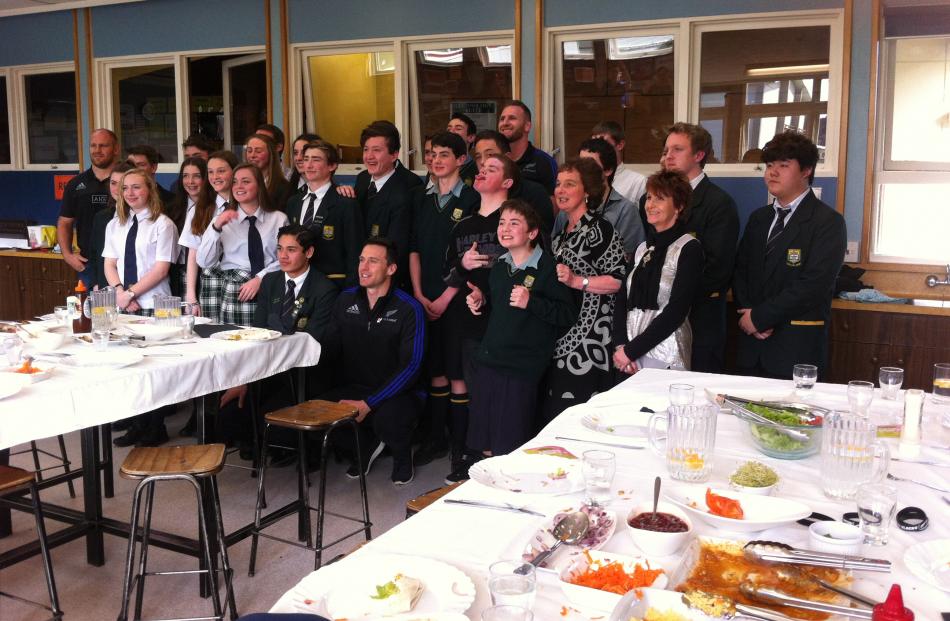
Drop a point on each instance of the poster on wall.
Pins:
(484, 113)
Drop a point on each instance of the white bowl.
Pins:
(589, 597)
(46, 340)
(44, 372)
(836, 537)
(760, 513)
(653, 543)
(761, 491)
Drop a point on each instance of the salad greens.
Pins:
(384, 591)
(776, 415)
(754, 474)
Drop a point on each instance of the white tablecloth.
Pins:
(472, 538)
(74, 399)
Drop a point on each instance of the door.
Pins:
(245, 99)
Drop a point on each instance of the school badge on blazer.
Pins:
(374, 230)
(456, 214)
(301, 323)
(528, 281)
(328, 232)
(793, 257)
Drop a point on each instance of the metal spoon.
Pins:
(794, 574)
(774, 596)
(656, 497)
(570, 530)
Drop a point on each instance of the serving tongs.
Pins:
(769, 595)
(728, 608)
(806, 414)
(774, 552)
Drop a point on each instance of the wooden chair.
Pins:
(309, 416)
(14, 481)
(417, 504)
(62, 458)
(149, 465)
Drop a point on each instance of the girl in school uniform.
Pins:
(190, 188)
(528, 310)
(241, 242)
(261, 151)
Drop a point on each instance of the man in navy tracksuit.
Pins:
(375, 342)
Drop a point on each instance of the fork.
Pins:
(933, 487)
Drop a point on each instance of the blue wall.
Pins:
(40, 38)
(572, 12)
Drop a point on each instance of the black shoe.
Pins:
(369, 457)
(460, 471)
(403, 473)
(122, 425)
(155, 437)
(130, 438)
(428, 454)
(190, 427)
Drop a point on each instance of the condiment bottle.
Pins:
(81, 323)
(909, 446)
(893, 607)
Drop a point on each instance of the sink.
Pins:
(931, 303)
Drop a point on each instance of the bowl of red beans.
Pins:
(659, 534)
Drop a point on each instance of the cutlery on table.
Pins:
(927, 485)
(570, 530)
(626, 446)
(938, 464)
(794, 574)
(489, 505)
(730, 609)
(774, 552)
(774, 596)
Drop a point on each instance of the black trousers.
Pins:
(391, 421)
(707, 319)
(501, 410)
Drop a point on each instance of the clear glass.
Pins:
(941, 382)
(598, 468)
(61, 313)
(507, 613)
(681, 394)
(12, 348)
(804, 376)
(877, 503)
(145, 108)
(51, 118)
(690, 440)
(890, 380)
(630, 80)
(187, 320)
(512, 583)
(348, 92)
(849, 445)
(763, 88)
(860, 396)
(100, 338)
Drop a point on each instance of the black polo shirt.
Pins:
(83, 196)
(538, 166)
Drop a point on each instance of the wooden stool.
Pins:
(176, 463)
(417, 504)
(14, 480)
(316, 415)
(62, 458)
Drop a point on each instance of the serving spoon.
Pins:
(572, 529)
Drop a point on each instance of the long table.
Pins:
(472, 538)
(81, 399)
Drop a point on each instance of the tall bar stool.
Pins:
(148, 465)
(62, 458)
(315, 415)
(15, 480)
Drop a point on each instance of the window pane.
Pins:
(144, 105)
(350, 91)
(765, 87)
(628, 80)
(51, 117)
(473, 80)
(4, 124)
(920, 120)
(912, 223)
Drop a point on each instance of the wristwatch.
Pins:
(584, 283)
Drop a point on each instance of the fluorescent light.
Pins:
(629, 48)
(788, 69)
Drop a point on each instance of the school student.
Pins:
(190, 188)
(261, 151)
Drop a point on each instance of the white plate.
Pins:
(345, 592)
(543, 538)
(930, 561)
(760, 512)
(247, 334)
(589, 597)
(529, 474)
(45, 371)
(103, 360)
(623, 424)
(151, 331)
(12, 383)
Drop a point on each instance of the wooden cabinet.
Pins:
(32, 286)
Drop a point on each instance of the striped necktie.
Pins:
(777, 229)
(287, 306)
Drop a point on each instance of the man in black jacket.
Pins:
(375, 342)
(714, 221)
(335, 220)
(788, 259)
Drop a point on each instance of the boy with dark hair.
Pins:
(464, 126)
(628, 183)
(197, 145)
(788, 259)
(435, 214)
(536, 165)
(146, 158)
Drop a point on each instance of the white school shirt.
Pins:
(320, 192)
(155, 241)
(228, 249)
(793, 206)
(629, 184)
(189, 239)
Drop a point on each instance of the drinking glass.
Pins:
(890, 379)
(805, 376)
(860, 395)
(187, 320)
(877, 503)
(61, 313)
(12, 348)
(849, 444)
(690, 440)
(512, 583)
(598, 468)
(100, 338)
(942, 382)
(681, 394)
(507, 613)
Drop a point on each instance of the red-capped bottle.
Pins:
(893, 607)
(83, 323)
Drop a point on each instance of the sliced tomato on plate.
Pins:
(723, 506)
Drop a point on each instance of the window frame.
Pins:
(6, 74)
(19, 127)
(102, 79)
(687, 49)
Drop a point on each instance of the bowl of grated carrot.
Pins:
(597, 579)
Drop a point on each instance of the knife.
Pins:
(626, 446)
(939, 464)
(489, 505)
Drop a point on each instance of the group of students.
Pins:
(463, 310)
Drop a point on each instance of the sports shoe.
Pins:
(428, 454)
(403, 473)
(460, 471)
(354, 472)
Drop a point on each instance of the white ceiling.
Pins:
(22, 7)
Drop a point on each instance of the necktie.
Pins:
(255, 246)
(287, 306)
(308, 215)
(131, 270)
(778, 228)
(371, 192)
